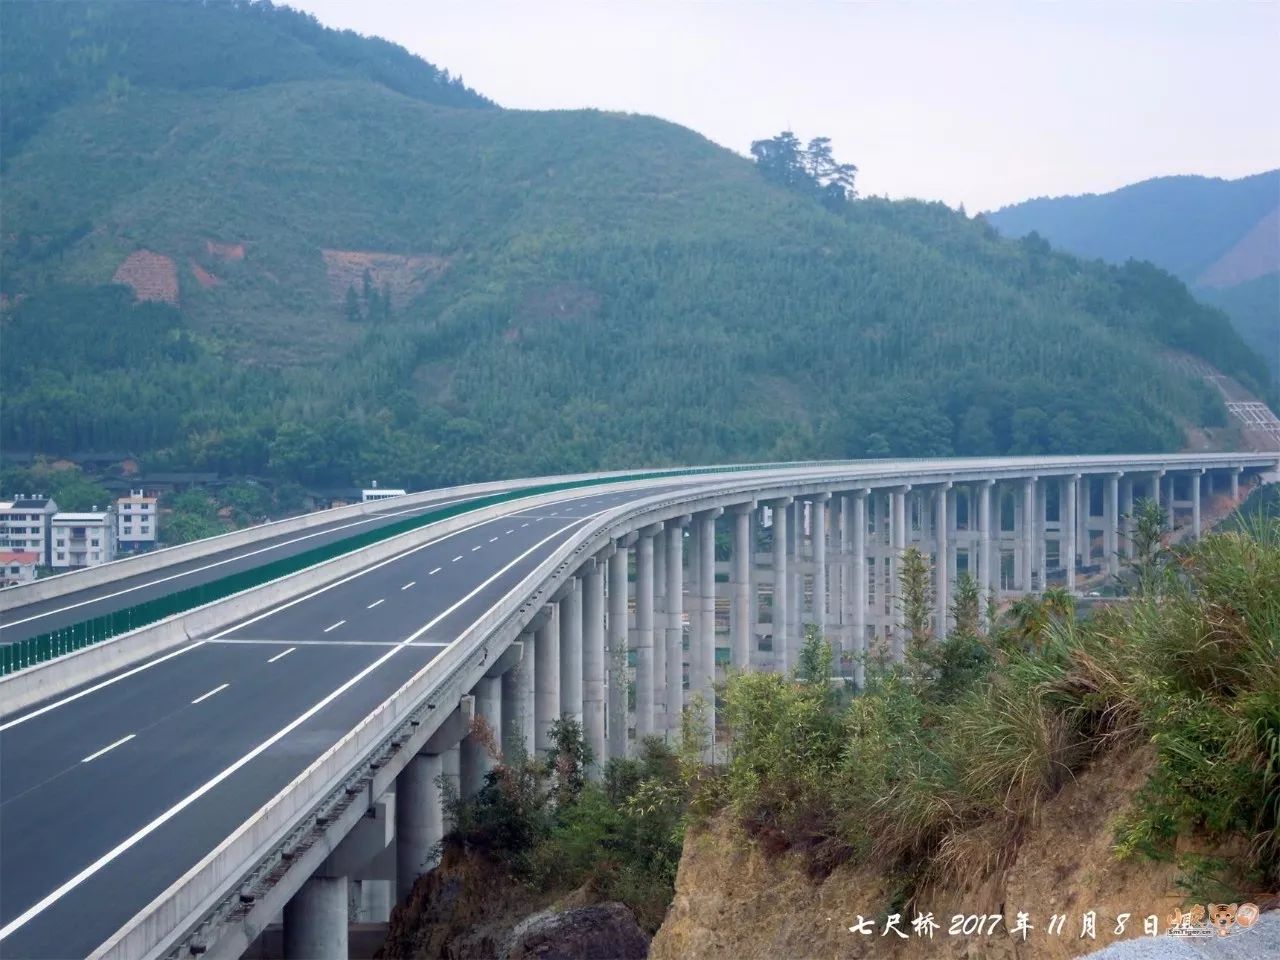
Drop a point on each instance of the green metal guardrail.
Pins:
(47, 646)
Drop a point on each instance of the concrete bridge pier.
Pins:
(315, 920)
(673, 634)
(743, 626)
(781, 601)
(645, 723)
(569, 597)
(593, 664)
(702, 672)
(616, 654)
(546, 678)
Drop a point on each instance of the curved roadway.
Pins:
(111, 792)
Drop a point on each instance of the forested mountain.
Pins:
(317, 257)
(1221, 237)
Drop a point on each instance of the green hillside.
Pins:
(373, 271)
(1190, 226)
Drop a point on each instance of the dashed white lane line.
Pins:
(476, 547)
(413, 639)
(412, 582)
(112, 746)
(493, 539)
(206, 696)
(523, 525)
(281, 656)
(508, 533)
(435, 571)
(375, 603)
(334, 626)
(456, 559)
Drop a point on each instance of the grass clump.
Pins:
(973, 735)
(550, 826)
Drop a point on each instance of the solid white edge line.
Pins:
(111, 746)
(52, 897)
(206, 696)
(244, 623)
(240, 556)
(281, 656)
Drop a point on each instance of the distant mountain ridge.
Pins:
(317, 258)
(1220, 237)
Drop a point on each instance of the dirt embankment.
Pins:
(732, 901)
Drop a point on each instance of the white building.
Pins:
(24, 525)
(83, 539)
(136, 521)
(17, 566)
(379, 493)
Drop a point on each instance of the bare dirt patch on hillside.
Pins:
(151, 276)
(405, 276)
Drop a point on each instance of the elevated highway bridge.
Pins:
(275, 754)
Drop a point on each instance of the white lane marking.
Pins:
(206, 696)
(240, 556)
(476, 547)
(411, 583)
(245, 623)
(456, 559)
(493, 539)
(508, 533)
(327, 644)
(281, 656)
(96, 687)
(435, 571)
(112, 746)
(334, 626)
(523, 525)
(57, 894)
(374, 604)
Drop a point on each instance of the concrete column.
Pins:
(780, 582)
(661, 623)
(1083, 543)
(451, 774)
(941, 575)
(899, 535)
(616, 719)
(644, 634)
(515, 723)
(1070, 501)
(859, 585)
(419, 820)
(1042, 533)
(546, 679)
(571, 650)
(1026, 541)
(374, 900)
(743, 617)
(819, 534)
(702, 680)
(593, 666)
(1170, 506)
(1111, 532)
(1235, 484)
(1196, 493)
(795, 589)
(674, 635)
(475, 759)
(987, 575)
(1126, 517)
(315, 921)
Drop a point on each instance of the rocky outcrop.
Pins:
(601, 931)
(467, 908)
(733, 900)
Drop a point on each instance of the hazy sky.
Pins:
(981, 103)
